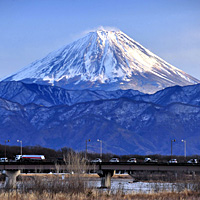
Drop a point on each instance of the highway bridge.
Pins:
(105, 169)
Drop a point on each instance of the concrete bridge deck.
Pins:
(103, 166)
(183, 167)
(105, 169)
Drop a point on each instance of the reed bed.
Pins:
(75, 187)
(96, 195)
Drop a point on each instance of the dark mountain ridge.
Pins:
(125, 125)
(23, 93)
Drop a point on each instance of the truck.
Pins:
(29, 157)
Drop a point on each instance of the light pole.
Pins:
(21, 146)
(98, 140)
(171, 146)
(86, 148)
(184, 147)
(5, 146)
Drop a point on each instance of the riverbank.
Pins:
(87, 186)
(96, 195)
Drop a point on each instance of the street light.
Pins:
(98, 140)
(21, 145)
(184, 147)
(86, 148)
(171, 146)
(5, 146)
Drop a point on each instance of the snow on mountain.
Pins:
(125, 126)
(189, 95)
(47, 95)
(104, 60)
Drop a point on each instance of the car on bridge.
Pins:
(148, 160)
(193, 161)
(3, 159)
(133, 160)
(173, 160)
(114, 160)
(96, 160)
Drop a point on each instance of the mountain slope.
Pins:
(46, 95)
(125, 126)
(187, 95)
(104, 60)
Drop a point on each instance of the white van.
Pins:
(193, 161)
(3, 159)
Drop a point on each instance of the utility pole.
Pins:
(5, 146)
(86, 148)
(20, 146)
(184, 148)
(100, 147)
(171, 146)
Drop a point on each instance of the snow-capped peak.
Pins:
(107, 60)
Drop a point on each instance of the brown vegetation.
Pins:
(91, 194)
(74, 186)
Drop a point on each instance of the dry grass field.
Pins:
(96, 195)
(74, 187)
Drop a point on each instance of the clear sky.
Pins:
(30, 29)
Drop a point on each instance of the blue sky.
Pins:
(30, 29)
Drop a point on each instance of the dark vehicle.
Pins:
(132, 160)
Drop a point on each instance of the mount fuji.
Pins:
(104, 85)
(104, 60)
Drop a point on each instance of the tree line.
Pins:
(51, 154)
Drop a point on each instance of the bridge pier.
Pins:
(193, 174)
(11, 176)
(132, 175)
(105, 177)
